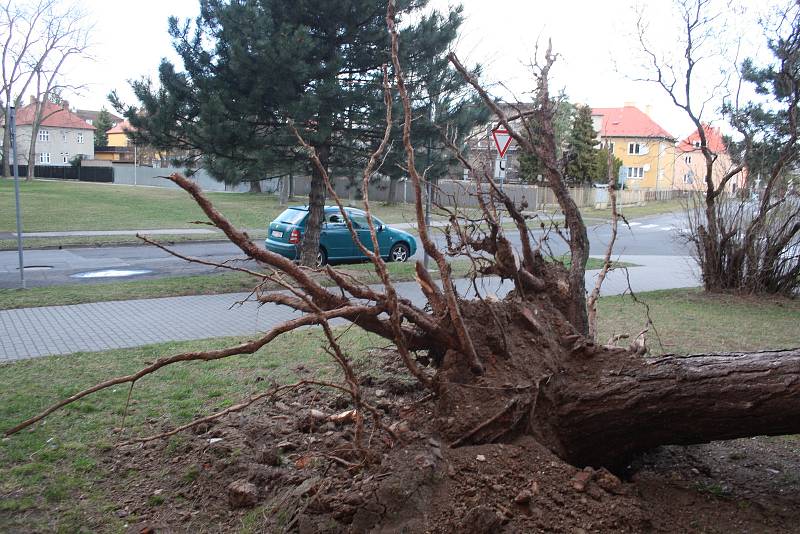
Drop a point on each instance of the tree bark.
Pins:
(255, 186)
(316, 206)
(604, 418)
(391, 197)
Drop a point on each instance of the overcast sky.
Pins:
(595, 39)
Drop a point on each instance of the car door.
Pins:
(360, 221)
(335, 237)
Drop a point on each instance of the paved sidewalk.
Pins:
(33, 332)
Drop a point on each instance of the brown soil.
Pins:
(301, 478)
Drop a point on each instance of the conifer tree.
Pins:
(582, 151)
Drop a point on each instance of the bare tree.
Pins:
(22, 29)
(739, 244)
(65, 34)
(532, 370)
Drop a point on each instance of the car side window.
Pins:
(334, 218)
(359, 220)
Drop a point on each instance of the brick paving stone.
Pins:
(34, 332)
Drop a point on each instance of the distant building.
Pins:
(62, 135)
(90, 116)
(690, 168)
(121, 149)
(647, 150)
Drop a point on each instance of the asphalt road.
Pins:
(653, 236)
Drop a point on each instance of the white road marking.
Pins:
(666, 228)
(649, 226)
(634, 223)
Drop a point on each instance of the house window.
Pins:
(634, 148)
(696, 144)
(44, 158)
(65, 157)
(611, 147)
(635, 172)
(687, 178)
(80, 138)
(688, 160)
(64, 136)
(90, 121)
(44, 135)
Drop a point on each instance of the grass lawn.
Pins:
(49, 206)
(47, 473)
(200, 284)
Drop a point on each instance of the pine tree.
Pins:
(582, 151)
(249, 67)
(102, 125)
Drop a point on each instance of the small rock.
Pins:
(242, 494)
(286, 446)
(497, 488)
(399, 427)
(481, 458)
(482, 519)
(122, 513)
(380, 393)
(609, 482)
(581, 479)
(318, 415)
(523, 497)
(214, 440)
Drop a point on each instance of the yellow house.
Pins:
(646, 149)
(118, 135)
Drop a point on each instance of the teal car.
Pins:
(336, 244)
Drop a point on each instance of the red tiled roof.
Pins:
(54, 116)
(713, 138)
(122, 127)
(628, 121)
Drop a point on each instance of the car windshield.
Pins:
(292, 216)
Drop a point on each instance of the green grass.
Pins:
(689, 320)
(44, 470)
(49, 206)
(201, 284)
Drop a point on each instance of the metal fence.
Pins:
(81, 173)
(155, 176)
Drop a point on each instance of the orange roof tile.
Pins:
(628, 121)
(713, 137)
(122, 127)
(54, 116)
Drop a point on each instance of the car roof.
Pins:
(327, 208)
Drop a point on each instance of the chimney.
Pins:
(65, 104)
(648, 109)
(33, 99)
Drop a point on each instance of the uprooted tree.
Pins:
(523, 365)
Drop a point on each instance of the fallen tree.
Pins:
(501, 370)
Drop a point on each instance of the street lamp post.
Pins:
(12, 124)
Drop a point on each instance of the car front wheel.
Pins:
(399, 252)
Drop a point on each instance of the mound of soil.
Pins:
(287, 467)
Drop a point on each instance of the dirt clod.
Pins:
(242, 494)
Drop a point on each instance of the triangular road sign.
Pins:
(502, 139)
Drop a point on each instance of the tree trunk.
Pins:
(604, 419)
(391, 198)
(255, 186)
(599, 406)
(6, 150)
(284, 194)
(316, 205)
